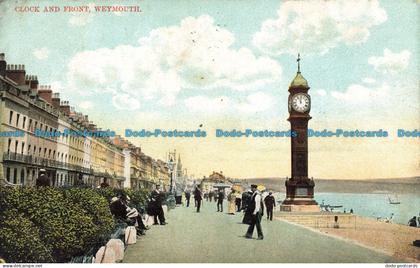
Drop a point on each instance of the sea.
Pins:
(373, 205)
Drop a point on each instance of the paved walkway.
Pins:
(214, 237)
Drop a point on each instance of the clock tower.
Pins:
(299, 188)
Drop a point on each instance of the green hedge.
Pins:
(53, 225)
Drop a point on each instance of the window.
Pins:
(34, 150)
(39, 151)
(16, 146)
(8, 174)
(30, 125)
(8, 145)
(23, 148)
(15, 176)
(24, 122)
(49, 153)
(10, 117)
(45, 152)
(36, 125)
(17, 120)
(22, 176)
(40, 126)
(29, 149)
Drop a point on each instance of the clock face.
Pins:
(300, 102)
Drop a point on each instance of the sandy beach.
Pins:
(393, 239)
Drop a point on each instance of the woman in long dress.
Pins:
(232, 199)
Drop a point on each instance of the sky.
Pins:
(227, 65)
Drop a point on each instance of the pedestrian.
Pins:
(412, 222)
(255, 209)
(220, 197)
(198, 197)
(42, 180)
(178, 196)
(104, 184)
(156, 198)
(351, 211)
(231, 204)
(211, 193)
(246, 197)
(270, 203)
(187, 197)
(238, 201)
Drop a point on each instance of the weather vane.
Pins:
(298, 61)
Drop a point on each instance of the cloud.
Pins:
(255, 102)
(86, 105)
(391, 63)
(317, 26)
(321, 92)
(41, 53)
(195, 55)
(205, 104)
(356, 93)
(125, 102)
(368, 80)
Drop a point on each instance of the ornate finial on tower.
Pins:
(298, 61)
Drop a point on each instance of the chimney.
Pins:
(16, 72)
(65, 107)
(45, 93)
(3, 65)
(56, 100)
(32, 82)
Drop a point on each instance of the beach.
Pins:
(393, 239)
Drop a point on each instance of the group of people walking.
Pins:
(250, 202)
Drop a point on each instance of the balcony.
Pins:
(43, 162)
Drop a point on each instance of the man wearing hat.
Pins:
(220, 197)
(42, 180)
(270, 203)
(255, 209)
(156, 198)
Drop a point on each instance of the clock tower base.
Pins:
(300, 208)
(300, 196)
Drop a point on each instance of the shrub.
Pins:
(107, 192)
(24, 245)
(95, 205)
(65, 225)
(138, 197)
(53, 225)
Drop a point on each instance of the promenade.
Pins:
(214, 237)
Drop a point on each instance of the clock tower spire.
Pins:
(299, 188)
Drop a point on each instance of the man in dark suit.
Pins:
(187, 197)
(255, 209)
(156, 198)
(270, 203)
(42, 180)
(220, 197)
(198, 197)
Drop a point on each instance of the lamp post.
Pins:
(171, 168)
